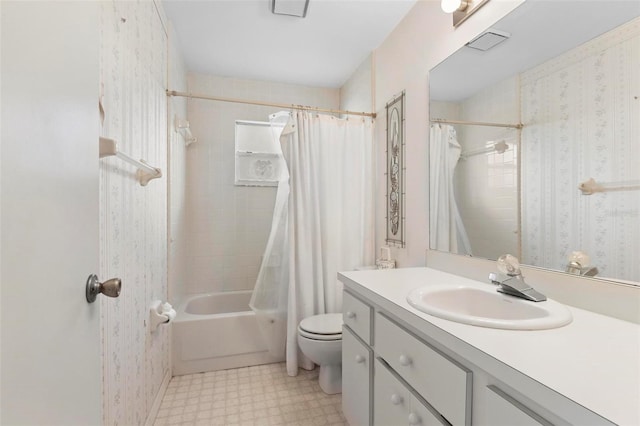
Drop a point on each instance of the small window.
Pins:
(257, 154)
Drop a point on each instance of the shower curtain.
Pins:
(269, 298)
(328, 226)
(331, 214)
(446, 230)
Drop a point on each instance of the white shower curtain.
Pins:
(331, 214)
(269, 298)
(446, 230)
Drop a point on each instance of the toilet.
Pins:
(320, 339)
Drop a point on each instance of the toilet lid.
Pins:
(326, 324)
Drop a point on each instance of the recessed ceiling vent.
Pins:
(290, 7)
(488, 39)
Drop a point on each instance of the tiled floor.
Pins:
(261, 395)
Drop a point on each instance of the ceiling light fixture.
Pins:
(461, 9)
(296, 8)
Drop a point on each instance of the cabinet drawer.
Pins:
(357, 315)
(394, 404)
(356, 376)
(503, 410)
(444, 384)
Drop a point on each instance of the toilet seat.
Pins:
(326, 337)
(322, 327)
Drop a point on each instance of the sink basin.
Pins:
(488, 308)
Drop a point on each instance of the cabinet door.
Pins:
(394, 404)
(391, 398)
(444, 384)
(503, 410)
(356, 379)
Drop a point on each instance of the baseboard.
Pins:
(153, 413)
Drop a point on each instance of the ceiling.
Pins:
(540, 30)
(242, 38)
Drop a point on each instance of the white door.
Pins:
(50, 347)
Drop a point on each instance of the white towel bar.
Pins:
(498, 147)
(145, 173)
(590, 186)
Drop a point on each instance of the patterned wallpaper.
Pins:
(133, 219)
(582, 121)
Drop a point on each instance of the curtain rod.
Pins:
(286, 106)
(476, 123)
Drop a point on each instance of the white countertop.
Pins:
(594, 361)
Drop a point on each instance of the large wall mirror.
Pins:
(546, 101)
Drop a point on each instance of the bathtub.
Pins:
(215, 332)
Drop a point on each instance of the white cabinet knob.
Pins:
(351, 314)
(414, 419)
(404, 360)
(396, 399)
(359, 359)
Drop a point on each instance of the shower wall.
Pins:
(228, 225)
(487, 184)
(177, 176)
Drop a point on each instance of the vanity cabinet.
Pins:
(411, 383)
(400, 369)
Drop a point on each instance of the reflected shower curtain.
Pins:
(446, 230)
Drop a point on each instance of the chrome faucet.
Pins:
(515, 286)
(512, 282)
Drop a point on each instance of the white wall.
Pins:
(133, 219)
(356, 93)
(229, 225)
(423, 39)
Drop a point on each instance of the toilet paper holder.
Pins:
(160, 313)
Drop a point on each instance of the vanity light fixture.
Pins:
(296, 8)
(461, 9)
(450, 6)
